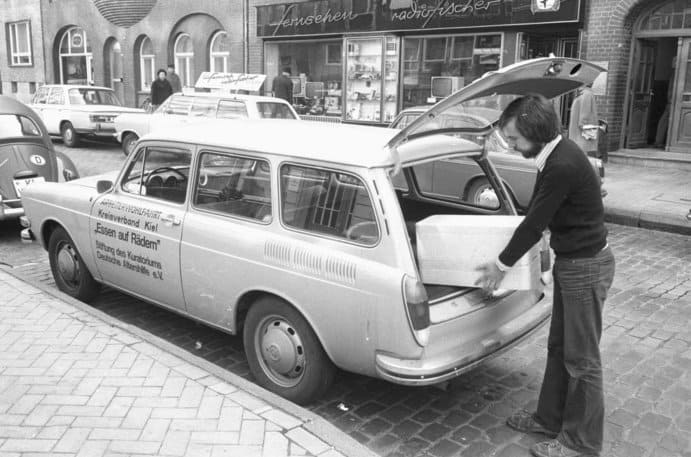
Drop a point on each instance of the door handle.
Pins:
(171, 219)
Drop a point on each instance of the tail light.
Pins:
(417, 307)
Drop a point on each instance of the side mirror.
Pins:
(104, 186)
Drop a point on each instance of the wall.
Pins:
(159, 25)
(12, 11)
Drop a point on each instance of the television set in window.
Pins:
(443, 86)
(298, 86)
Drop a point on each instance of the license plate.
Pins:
(21, 184)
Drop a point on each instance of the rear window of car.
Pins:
(232, 109)
(328, 203)
(16, 126)
(179, 105)
(272, 110)
(203, 106)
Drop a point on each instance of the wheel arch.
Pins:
(249, 297)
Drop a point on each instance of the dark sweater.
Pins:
(566, 199)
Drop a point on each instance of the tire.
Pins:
(70, 138)
(128, 142)
(69, 271)
(300, 371)
(477, 195)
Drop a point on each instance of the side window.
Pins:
(160, 173)
(56, 96)
(231, 109)
(203, 106)
(273, 110)
(179, 105)
(41, 95)
(327, 202)
(233, 185)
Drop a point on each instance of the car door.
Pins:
(136, 228)
(53, 109)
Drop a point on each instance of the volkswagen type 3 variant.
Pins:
(297, 240)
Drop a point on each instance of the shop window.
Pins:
(316, 70)
(147, 64)
(234, 186)
(328, 203)
(459, 58)
(220, 52)
(184, 59)
(19, 34)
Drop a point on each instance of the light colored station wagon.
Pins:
(184, 108)
(73, 111)
(297, 240)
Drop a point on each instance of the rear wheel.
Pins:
(128, 142)
(283, 352)
(69, 271)
(70, 138)
(481, 193)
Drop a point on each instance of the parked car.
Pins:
(73, 112)
(517, 173)
(27, 156)
(183, 108)
(297, 240)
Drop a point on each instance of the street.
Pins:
(646, 350)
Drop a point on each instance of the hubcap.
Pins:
(68, 265)
(487, 198)
(280, 351)
(68, 134)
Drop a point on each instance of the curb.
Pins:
(311, 422)
(646, 220)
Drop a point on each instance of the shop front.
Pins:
(365, 60)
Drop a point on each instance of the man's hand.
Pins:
(491, 277)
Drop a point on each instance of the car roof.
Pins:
(311, 140)
(10, 105)
(227, 96)
(77, 86)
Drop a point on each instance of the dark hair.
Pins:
(286, 70)
(535, 118)
(161, 70)
(171, 65)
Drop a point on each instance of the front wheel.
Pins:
(128, 143)
(69, 271)
(283, 352)
(70, 138)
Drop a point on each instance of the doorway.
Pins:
(679, 102)
(651, 85)
(112, 67)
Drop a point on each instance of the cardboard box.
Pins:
(450, 248)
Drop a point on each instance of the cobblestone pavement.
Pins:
(74, 385)
(646, 354)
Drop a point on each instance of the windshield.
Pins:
(93, 97)
(16, 126)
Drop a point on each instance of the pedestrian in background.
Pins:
(160, 89)
(584, 123)
(566, 198)
(174, 79)
(283, 86)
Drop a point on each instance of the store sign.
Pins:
(231, 82)
(318, 17)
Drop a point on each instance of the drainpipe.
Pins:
(245, 36)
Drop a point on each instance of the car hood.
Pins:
(24, 157)
(549, 76)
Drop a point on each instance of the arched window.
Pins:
(671, 15)
(184, 59)
(75, 59)
(147, 64)
(219, 52)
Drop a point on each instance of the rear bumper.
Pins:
(443, 366)
(7, 212)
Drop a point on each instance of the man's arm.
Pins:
(552, 191)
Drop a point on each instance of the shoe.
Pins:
(554, 448)
(524, 421)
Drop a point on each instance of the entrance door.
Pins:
(680, 109)
(113, 69)
(641, 94)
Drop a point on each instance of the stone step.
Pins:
(651, 158)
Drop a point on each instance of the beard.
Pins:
(530, 152)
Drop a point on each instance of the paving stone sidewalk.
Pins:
(74, 384)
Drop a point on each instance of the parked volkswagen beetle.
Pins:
(27, 156)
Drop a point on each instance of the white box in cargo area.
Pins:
(450, 248)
